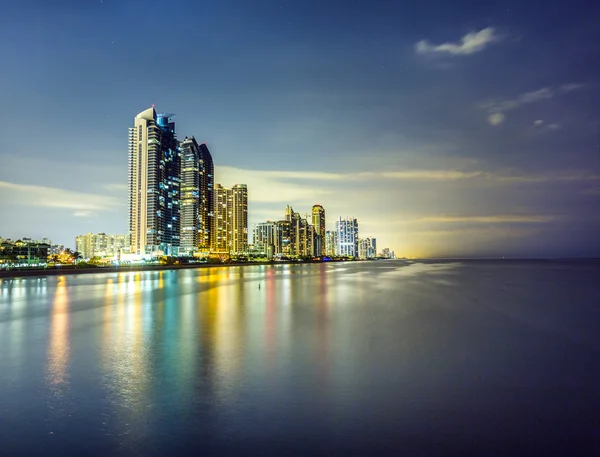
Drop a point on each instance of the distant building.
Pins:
(367, 248)
(265, 238)
(154, 187)
(347, 237)
(302, 234)
(330, 243)
(101, 245)
(318, 221)
(387, 254)
(24, 252)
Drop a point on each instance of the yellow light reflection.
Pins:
(58, 347)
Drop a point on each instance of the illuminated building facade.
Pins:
(264, 238)
(197, 199)
(330, 243)
(347, 237)
(220, 229)
(239, 219)
(318, 222)
(23, 252)
(101, 245)
(230, 221)
(154, 185)
(367, 248)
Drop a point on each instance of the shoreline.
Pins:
(27, 273)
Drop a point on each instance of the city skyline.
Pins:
(474, 136)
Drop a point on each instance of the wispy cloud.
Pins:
(284, 180)
(494, 219)
(497, 108)
(437, 175)
(52, 197)
(469, 44)
(116, 187)
(84, 213)
(503, 105)
(545, 93)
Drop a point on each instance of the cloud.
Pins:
(496, 119)
(469, 44)
(495, 219)
(51, 197)
(545, 93)
(437, 175)
(538, 122)
(84, 213)
(571, 87)
(116, 187)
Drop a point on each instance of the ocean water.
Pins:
(356, 358)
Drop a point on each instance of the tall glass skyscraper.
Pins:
(197, 199)
(154, 187)
(207, 197)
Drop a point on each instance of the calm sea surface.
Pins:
(365, 358)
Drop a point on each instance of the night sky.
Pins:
(447, 128)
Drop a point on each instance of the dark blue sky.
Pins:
(446, 128)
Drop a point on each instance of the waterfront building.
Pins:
(367, 248)
(283, 238)
(24, 252)
(230, 219)
(239, 219)
(197, 199)
(264, 237)
(154, 185)
(347, 237)
(318, 222)
(330, 243)
(190, 196)
(222, 206)
(101, 245)
(207, 200)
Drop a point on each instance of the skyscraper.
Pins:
(318, 221)
(222, 207)
(154, 192)
(347, 237)
(230, 219)
(330, 243)
(197, 200)
(207, 201)
(190, 195)
(239, 219)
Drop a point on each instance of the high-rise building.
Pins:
(282, 238)
(154, 188)
(264, 237)
(367, 248)
(239, 219)
(318, 221)
(330, 243)
(222, 204)
(207, 200)
(197, 199)
(347, 237)
(230, 219)
(190, 196)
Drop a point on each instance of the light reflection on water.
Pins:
(325, 357)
